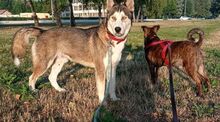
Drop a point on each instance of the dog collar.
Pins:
(150, 37)
(114, 38)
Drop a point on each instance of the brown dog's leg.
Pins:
(207, 81)
(204, 76)
(198, 84)
(156, 73)
(191, 70)
(153, 73)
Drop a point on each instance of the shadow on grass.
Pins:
(66, 72)
(135, 90)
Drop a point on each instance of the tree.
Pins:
(42, 6)
(202, 8)
(17, 7)
(163, 5)
(190, 10)
(140, 11)
(170, 10)
(180, 7)
(99, 4)
(5, 4)
(72, 18)
(215, 8)
(154, 8)
(34, 16)
(56, 13)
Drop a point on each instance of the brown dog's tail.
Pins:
(194, 31)
(21, 41)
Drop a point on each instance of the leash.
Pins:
(172, 92)
(96, 116)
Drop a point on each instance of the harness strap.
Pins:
(164, 45)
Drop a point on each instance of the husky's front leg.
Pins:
(113, 84)
(100, 82)
(112, 88)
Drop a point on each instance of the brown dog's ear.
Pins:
(156, 28)
(143, 27)
(130, 4)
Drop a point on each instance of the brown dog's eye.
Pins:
(124, 18)
(114, 18)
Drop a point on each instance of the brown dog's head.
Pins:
(150, 31)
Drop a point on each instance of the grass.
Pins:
(140, 101)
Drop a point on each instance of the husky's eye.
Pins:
(113, 18)
(124, 18)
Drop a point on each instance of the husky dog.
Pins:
(21, 41)
(88, 47)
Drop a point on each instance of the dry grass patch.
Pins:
(140, 101)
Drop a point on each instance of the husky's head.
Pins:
(119, 17)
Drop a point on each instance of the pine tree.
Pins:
(153, 8)
(180, 8)
(215, 8)
(170, 10)
(190, 8)
(202, 8)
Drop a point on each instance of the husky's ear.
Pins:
(156, 28)
(130, 4)
(110, 3)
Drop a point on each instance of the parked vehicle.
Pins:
(185, 18)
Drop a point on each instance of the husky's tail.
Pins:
(194, 31)
(21, 41)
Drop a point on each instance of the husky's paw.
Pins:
(115, 98)
(33, 89)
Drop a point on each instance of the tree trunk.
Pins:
(56, 13)
(100, 12)
(134, 17)
(72, 18)
(139, 13)
(103, 9)
(142, 16)
(34, 16)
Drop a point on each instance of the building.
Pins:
(4, 13)
(39, 15)
(81, 10)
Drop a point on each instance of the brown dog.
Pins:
(187, 53)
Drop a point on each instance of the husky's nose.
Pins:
(117, 29)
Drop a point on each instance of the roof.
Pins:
(4, 11)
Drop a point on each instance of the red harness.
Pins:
(164, 45)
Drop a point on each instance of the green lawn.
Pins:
(140, 101)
